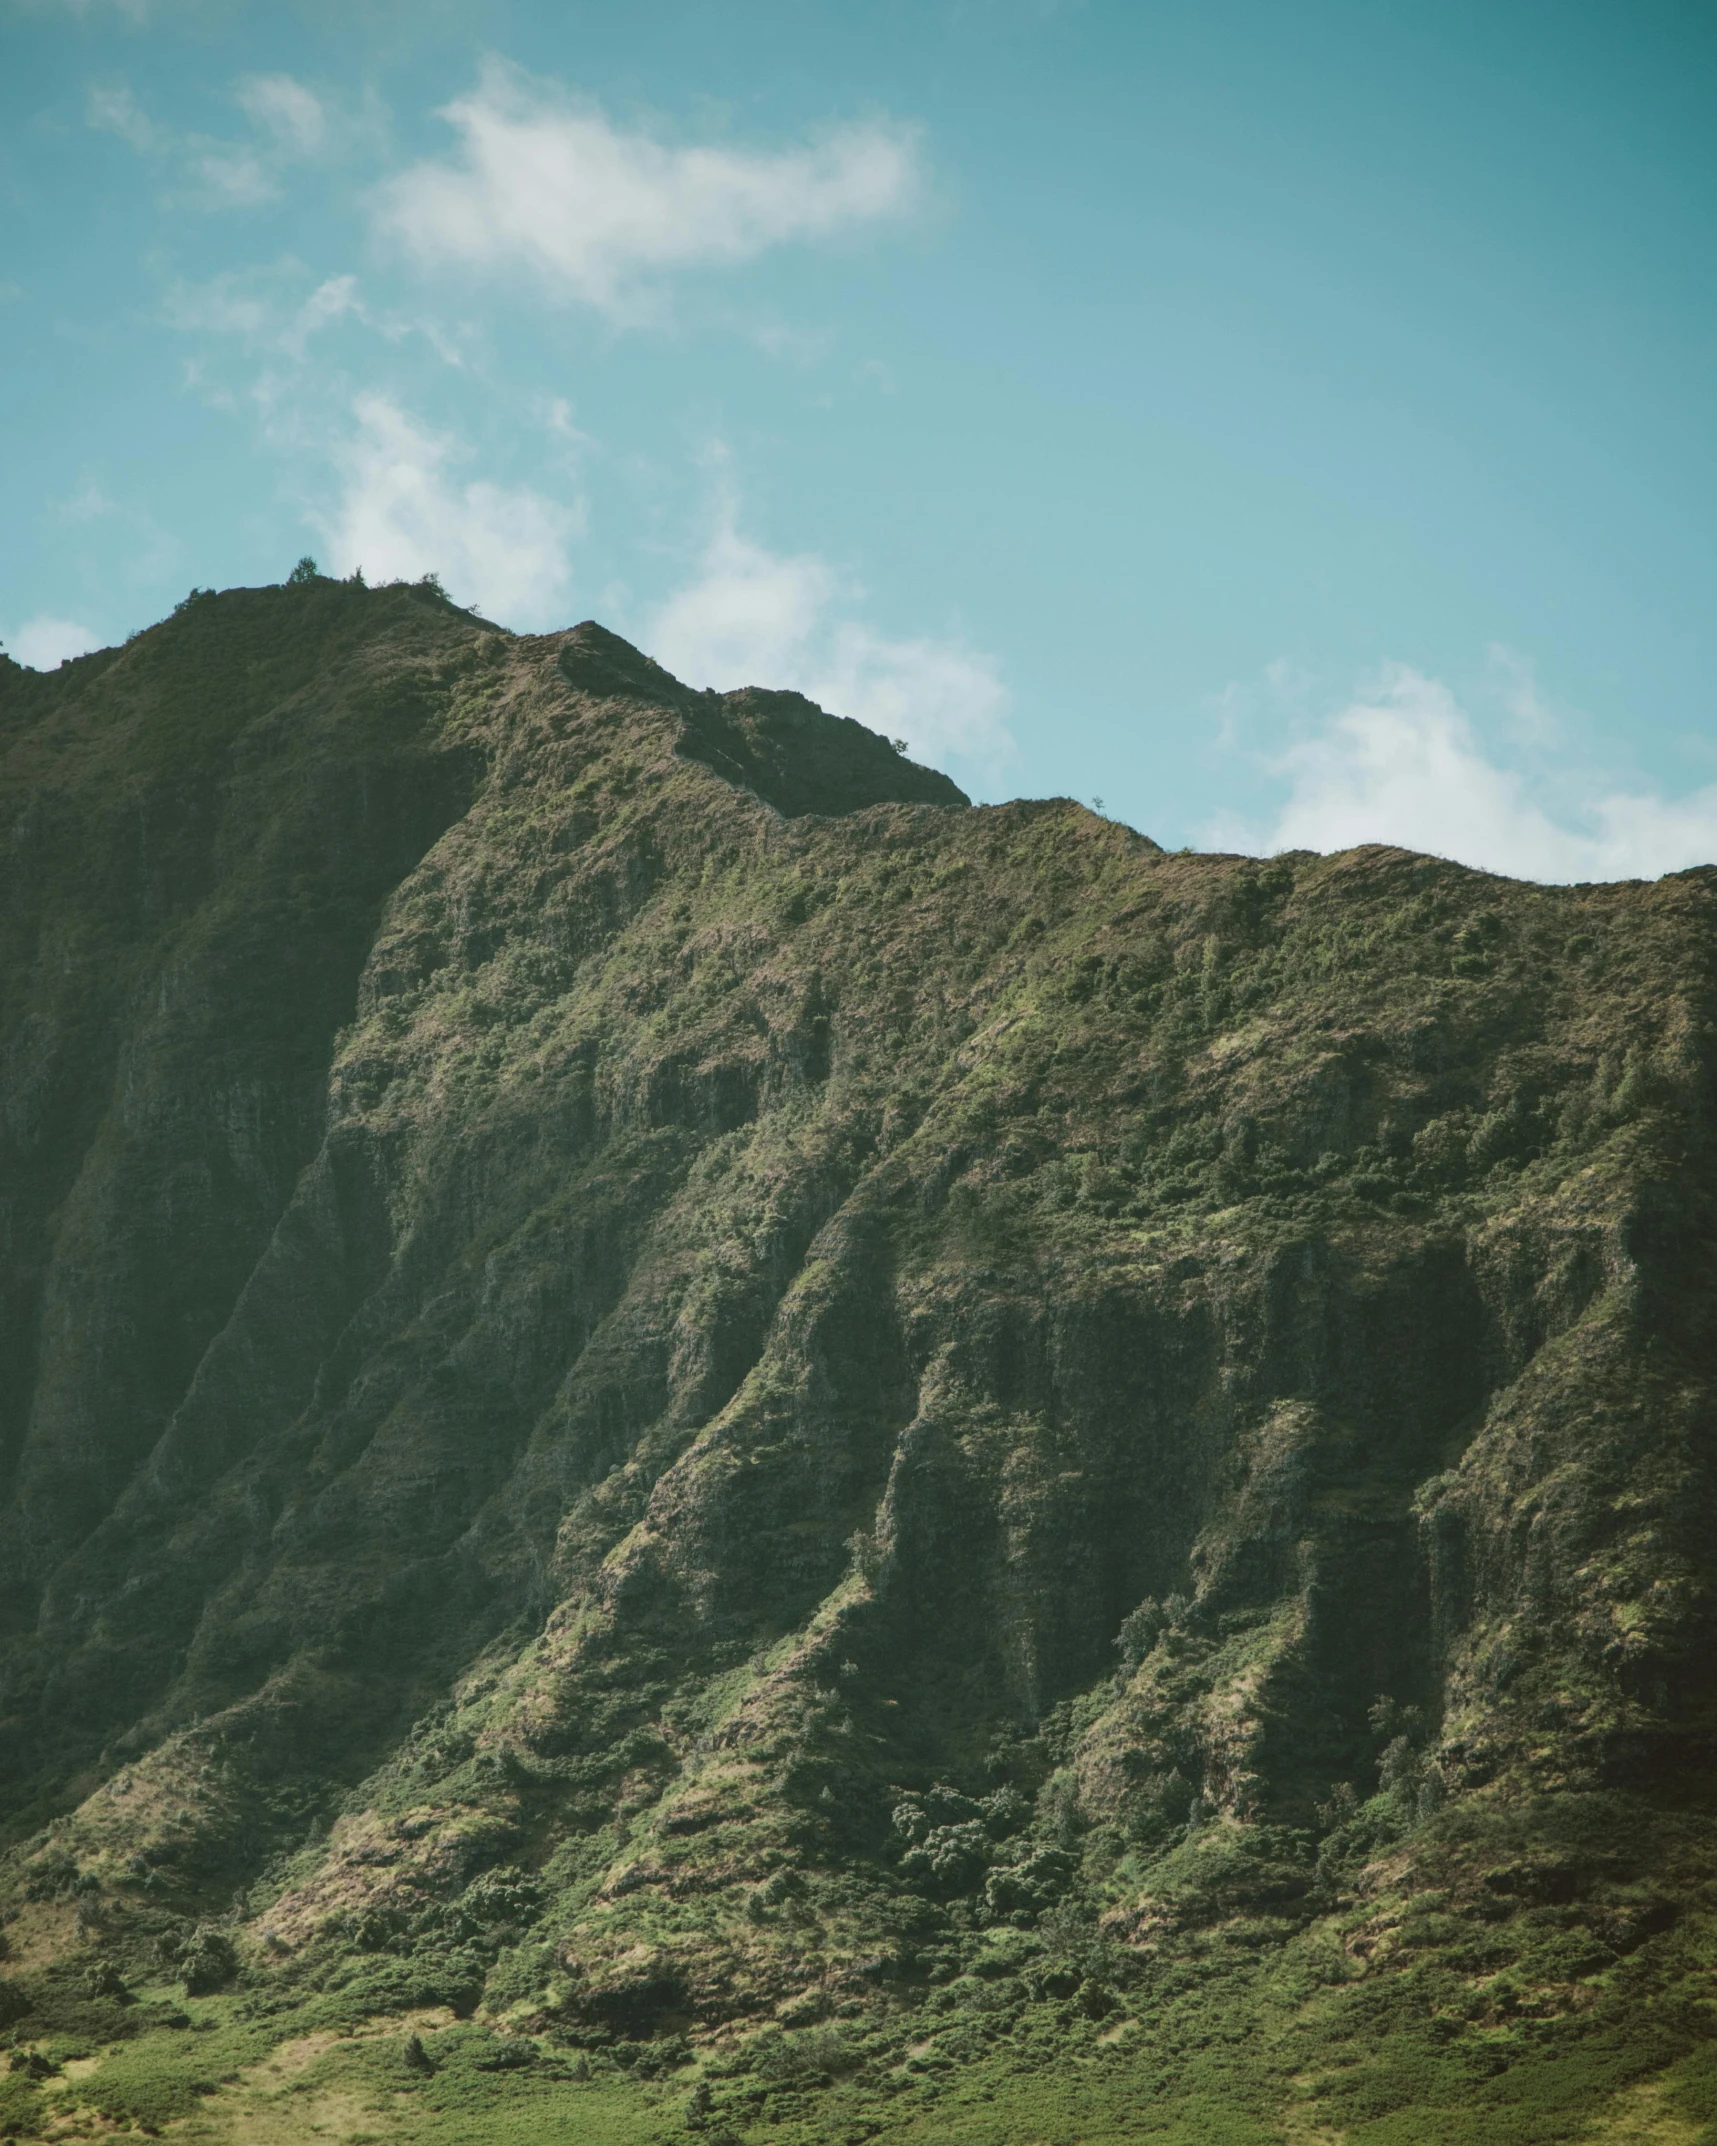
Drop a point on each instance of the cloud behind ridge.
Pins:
(1402, 763)
(403, 514)
(749, 616)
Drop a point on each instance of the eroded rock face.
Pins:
(620, 1280)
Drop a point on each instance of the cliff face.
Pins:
(764, 1385)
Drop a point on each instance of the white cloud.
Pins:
(552, 187)
(292, 114)
(116, 111)
(752, 617)
(1643, 837)
(330, 301)
(261, 308)
(289, 123)
(557, 419)
(42, 643)
(1403, 764)
(274, 313)
(1513, 679)
(150, 555)
(942, 697)
(89, 503)
(402, 515)
(236, 303)
(233, 178)
(749, 617)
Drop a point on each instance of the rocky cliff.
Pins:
(779, 1457)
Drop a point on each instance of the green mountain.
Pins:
(699, 1444)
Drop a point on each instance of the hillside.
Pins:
(698, 1443)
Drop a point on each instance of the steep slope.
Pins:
(659, 1378)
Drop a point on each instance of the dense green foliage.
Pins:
(701, 1445)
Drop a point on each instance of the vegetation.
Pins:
(700, 1445)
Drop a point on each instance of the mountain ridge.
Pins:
(673, 1392)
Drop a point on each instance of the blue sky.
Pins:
(1290, 424)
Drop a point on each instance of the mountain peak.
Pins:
(784, 748)
(674, 1409)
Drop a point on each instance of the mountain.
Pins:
(699, 1443)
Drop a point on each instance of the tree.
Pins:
(305, 570)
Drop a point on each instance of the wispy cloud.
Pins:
(1513, 681)
(43, 642)
(548, 186)
(150, 554)
(399, 506)
(402, 513)
(285, 111)
(258, 341)
(266, 309)
(113, 109)
(750, 616)
(288, 124)
(1403, 763)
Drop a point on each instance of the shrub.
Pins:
(207, 1961)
